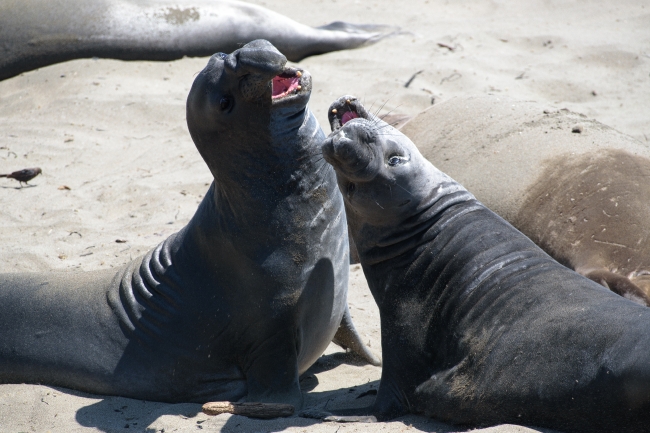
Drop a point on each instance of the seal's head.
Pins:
(390, 190)
(380, 172)
(239, 101)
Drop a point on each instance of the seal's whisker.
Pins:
(376, 114)
(387, 125)
(406, 190)
(370, 108)
(309, 157)
(390, 134)
(324, 164)
(390, 111)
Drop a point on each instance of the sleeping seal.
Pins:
(240, 301)
(479, 326)
(576, 187)
(37, 33)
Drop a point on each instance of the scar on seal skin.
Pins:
(479, 326)
(590, 213)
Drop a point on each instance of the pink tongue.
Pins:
(282, 86)
(347, 116)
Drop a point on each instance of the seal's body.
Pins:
(241, 300)
(576, 187)
(479, 325)
(37, 33)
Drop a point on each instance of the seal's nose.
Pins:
(348, 155)
(338, 150)
(259, 58)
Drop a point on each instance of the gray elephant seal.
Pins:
(240, 301)
(478, 325)
(37, 33)
(576, 187)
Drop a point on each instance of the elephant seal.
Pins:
(240, 301)
(37, 33)
(576, 187)
(478, 325)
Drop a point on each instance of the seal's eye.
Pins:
(225, 103)
(222, 55)
(394, 160)
(351, 188)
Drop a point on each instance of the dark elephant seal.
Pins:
(240, 301)
(478, 324)
(37, 33)
(576, 187)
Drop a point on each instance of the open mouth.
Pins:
(286, 83)
(345, 109)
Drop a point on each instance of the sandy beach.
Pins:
(120, 171)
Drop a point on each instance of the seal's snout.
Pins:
(349, 154)
(259, 58)
(338, 150)
(260, 67)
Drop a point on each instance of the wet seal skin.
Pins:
(240, 301)
(479, 326)
(576, 187)
(37, 33)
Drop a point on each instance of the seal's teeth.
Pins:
(298, 74)
(334, 110)
(285, 84)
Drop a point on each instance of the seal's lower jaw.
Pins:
(345, 109)
(291, 87)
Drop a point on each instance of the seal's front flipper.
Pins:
(385, 407)
(329, 417)
(348, 338)
(271, 372)
(618, 284)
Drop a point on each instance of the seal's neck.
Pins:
(385, 250)
(400, 237)
(262, 166)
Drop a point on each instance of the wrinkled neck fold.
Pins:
(399, 241)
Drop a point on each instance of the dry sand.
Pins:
(118, 162)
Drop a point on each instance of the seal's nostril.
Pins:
(342, 145)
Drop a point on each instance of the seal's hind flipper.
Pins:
(374, 32)
(618, 284)
(348, 338)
